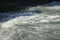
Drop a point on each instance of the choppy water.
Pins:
(36, 23)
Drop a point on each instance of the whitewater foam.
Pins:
(44, 25)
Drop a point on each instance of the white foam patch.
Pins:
(36, 26)
(53, 7)
(31, 20)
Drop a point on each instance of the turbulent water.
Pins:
(36, 23)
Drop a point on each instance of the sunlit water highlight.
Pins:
(41, 24)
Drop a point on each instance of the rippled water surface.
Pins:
(36, 23)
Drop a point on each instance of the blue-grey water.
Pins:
(36, 23)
